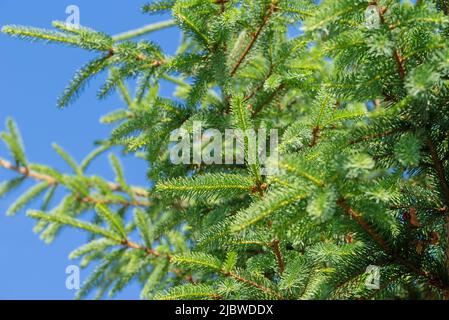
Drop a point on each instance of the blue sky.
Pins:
(32, 76)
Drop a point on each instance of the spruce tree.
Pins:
(360, 99)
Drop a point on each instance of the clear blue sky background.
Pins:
(32, 75)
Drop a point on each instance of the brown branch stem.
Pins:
(375, 136)
(440, 171)
(400, 63)
(26, 172)
(126, 203)
(278, 254)
(439, 168)
(254, 38)
(396, 55)
(253, 284)
(267, 101)
(362, 223)
(315, 135)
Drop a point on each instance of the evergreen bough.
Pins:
(361, 100)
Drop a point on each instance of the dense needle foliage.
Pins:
(360, 98)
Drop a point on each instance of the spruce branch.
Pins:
(272, 8)
(400, 63)
(190, 291)
(143, 30)
(439, 168)
(398, 58)
(278, 254)
(362, 223)
(27, 197)
(207, 262)
(133, 245)
(26, 172)
(66, 220)
(300, 172)
(440, 171)
(34, 33)
(158, 6)
(206, 186)
(268, 100)
(124, 203)
(268, 205)
(376, 136)
(431, 279)
(254, 284)
(261, 84)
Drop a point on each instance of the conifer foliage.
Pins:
(360, 98)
